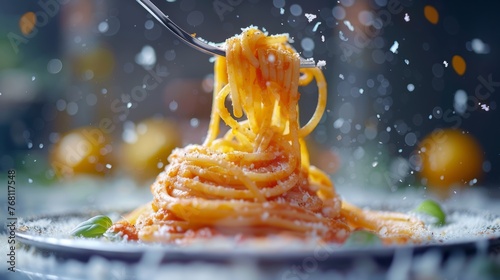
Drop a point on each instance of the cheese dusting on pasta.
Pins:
(255, 180)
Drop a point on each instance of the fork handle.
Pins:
(179, 32)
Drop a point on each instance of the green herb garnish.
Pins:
(433, 209)
(93, 227)
(363, 238)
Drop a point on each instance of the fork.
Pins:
(195, 42)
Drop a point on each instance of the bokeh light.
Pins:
(431, 14)
(27, 23)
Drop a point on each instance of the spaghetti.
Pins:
(256, 179)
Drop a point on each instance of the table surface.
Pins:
(89, 193)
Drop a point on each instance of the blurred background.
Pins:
(100, 88)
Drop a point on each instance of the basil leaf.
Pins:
(433, 209)
(93, 227)
(362, 238)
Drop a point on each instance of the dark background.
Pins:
(106, 36)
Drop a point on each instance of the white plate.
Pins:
(50, 235)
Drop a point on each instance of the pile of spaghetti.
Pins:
(255, 181)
